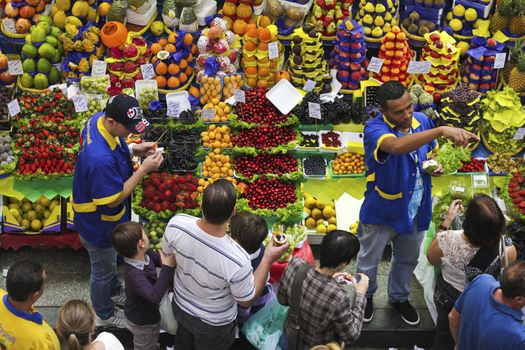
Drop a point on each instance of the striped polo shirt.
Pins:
(212, 273)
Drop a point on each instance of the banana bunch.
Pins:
(377, 17)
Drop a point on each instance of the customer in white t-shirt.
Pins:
(76, 325)
(213, 272)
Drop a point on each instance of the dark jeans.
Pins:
(194, 334)
(444, 296)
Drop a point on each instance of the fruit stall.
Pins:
(270, 95)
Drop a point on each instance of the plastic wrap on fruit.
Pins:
(430, 165)
(275, 8)
(219, 22)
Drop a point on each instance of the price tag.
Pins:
(314, 110)
(273, 50)
(458, 189)
(309, 85)
(208, 113)
(375, 65)
(424, 67)
(520, 133)
(173, 109)
(15, 67)
(9, 25)
(480, 181)
(80, 102)
(501, 58)
(62, 87)
(147, 71)
(72, 90)
(413, 67)
(98, 68)
(14, 107)
(239, 96)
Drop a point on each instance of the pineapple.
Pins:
(514, 54)
(500, 19)
(517, 75)
(517, 20)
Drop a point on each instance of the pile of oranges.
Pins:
(259, 69)
(203, 183)
(171, 73)
(349, 163)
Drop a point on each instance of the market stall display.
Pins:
(396, 55)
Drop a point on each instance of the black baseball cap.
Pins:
(125, 109)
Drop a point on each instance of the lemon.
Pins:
(25, 224)
(36, 225)
(321, 229)
(458, 10)
(32, 215)
(331, 227)
(471, 15)
(456, 25)
(449, 16)
(463, 46)
(368, 19)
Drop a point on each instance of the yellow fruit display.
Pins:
(29, 215)
(321, 215)
(210, 88)
(217, 165)
(216, 137)
(222, 111)
(231, 83)
(348, 163)
(203, 183)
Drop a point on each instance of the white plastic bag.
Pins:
(167, 319)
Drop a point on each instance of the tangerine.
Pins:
(263, 46)
(173, 82)
(239, 26)
(252, 32)
(263, 72)
(194, 91)
(183, 64)
(154, 59)
(183, 78)
(173, 69)
(155, 48)
(189, 71)
(264, 21)
(188, 39)
(251, 26)
(194, 49)
(250, 46)
(163, 41)
(263, 83)
(189, 58)
(172, 38)
(251, 82)
(161, 81)
(170, 48)
(264, 34)
(250, 70)
(161, 68)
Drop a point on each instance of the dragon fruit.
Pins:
(115, 52)
(130, 51)
(127, 83)
(220, 47)
(113, 79)
(141, 60)
(114, 90)
(115, 66)
(138, 41)
(129, 67)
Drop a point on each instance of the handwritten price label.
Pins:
(9, 25)
(15, 67)
(375, 65)
(309, 85)
(239, 96)
(314, 110)
(273, 50)
(147, 71)
(421, 67)
(520, 133)
(424, 67)
(208, 113)
(173, 109)
(500, 60)
(14, 107)
(99, 68)
(80, 102)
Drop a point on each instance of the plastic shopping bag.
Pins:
(167, 319)
(265, 328)
(426, 273)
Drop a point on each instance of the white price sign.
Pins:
(147, 71)
(500, 60)
(173, 109)
(458, 189)
(273, 50)
(62, 87)
(15, 67)
(314, 110)
(424, 67)
(375, 65)
(14, 107)
(309, 85)
(208, 113)
(239, 96)
(413, 67)
(98, 68)
(80, 102)
(480, 181)
(9, 25)
(520, 133)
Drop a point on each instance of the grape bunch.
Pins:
(147, 95)
(340, 111)
(462, 103)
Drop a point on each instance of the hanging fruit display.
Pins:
(443, 54)
(349, 55)
(377, 17)
(396, 54)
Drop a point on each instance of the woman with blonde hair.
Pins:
(76, 325)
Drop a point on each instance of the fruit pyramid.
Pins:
(259, 69)
(443, 54)
(349, 55)
(377, 17)
(396, 54)
(478, 70)
(239, 13)
(306, 59)
(221, 43)
(326, 15)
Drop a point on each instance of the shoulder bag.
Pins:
(294, 337)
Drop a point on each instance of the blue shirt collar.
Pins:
(33, 317)
(516, 314)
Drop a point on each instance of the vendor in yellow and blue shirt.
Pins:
(102, 186)
(398, 206)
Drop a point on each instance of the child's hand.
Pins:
(168, 260)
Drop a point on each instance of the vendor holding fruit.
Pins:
(102, 185)
(397, 205)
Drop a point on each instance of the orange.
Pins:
(173, 83)
(251, 26)
(189, 71)
(262, 83)
(172, 38)
(251, 82)
(173, 69)
(239, 26)
(252, 32)
(251, 70)
(154, 59)
(183, 78)
(249, 46)
(263, 72)
(263, 46)
(194, 91)
(189, 58)
(188, 39)
(264, 34)
(401, 36)
(163, 41)
(161, 81)
(155, 48)
(170, 48)
(161, 68)
(183, 64)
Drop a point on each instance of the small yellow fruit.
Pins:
(456, 24)
(471, 15)
(458, 10)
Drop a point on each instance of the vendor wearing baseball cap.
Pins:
(102, 185)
